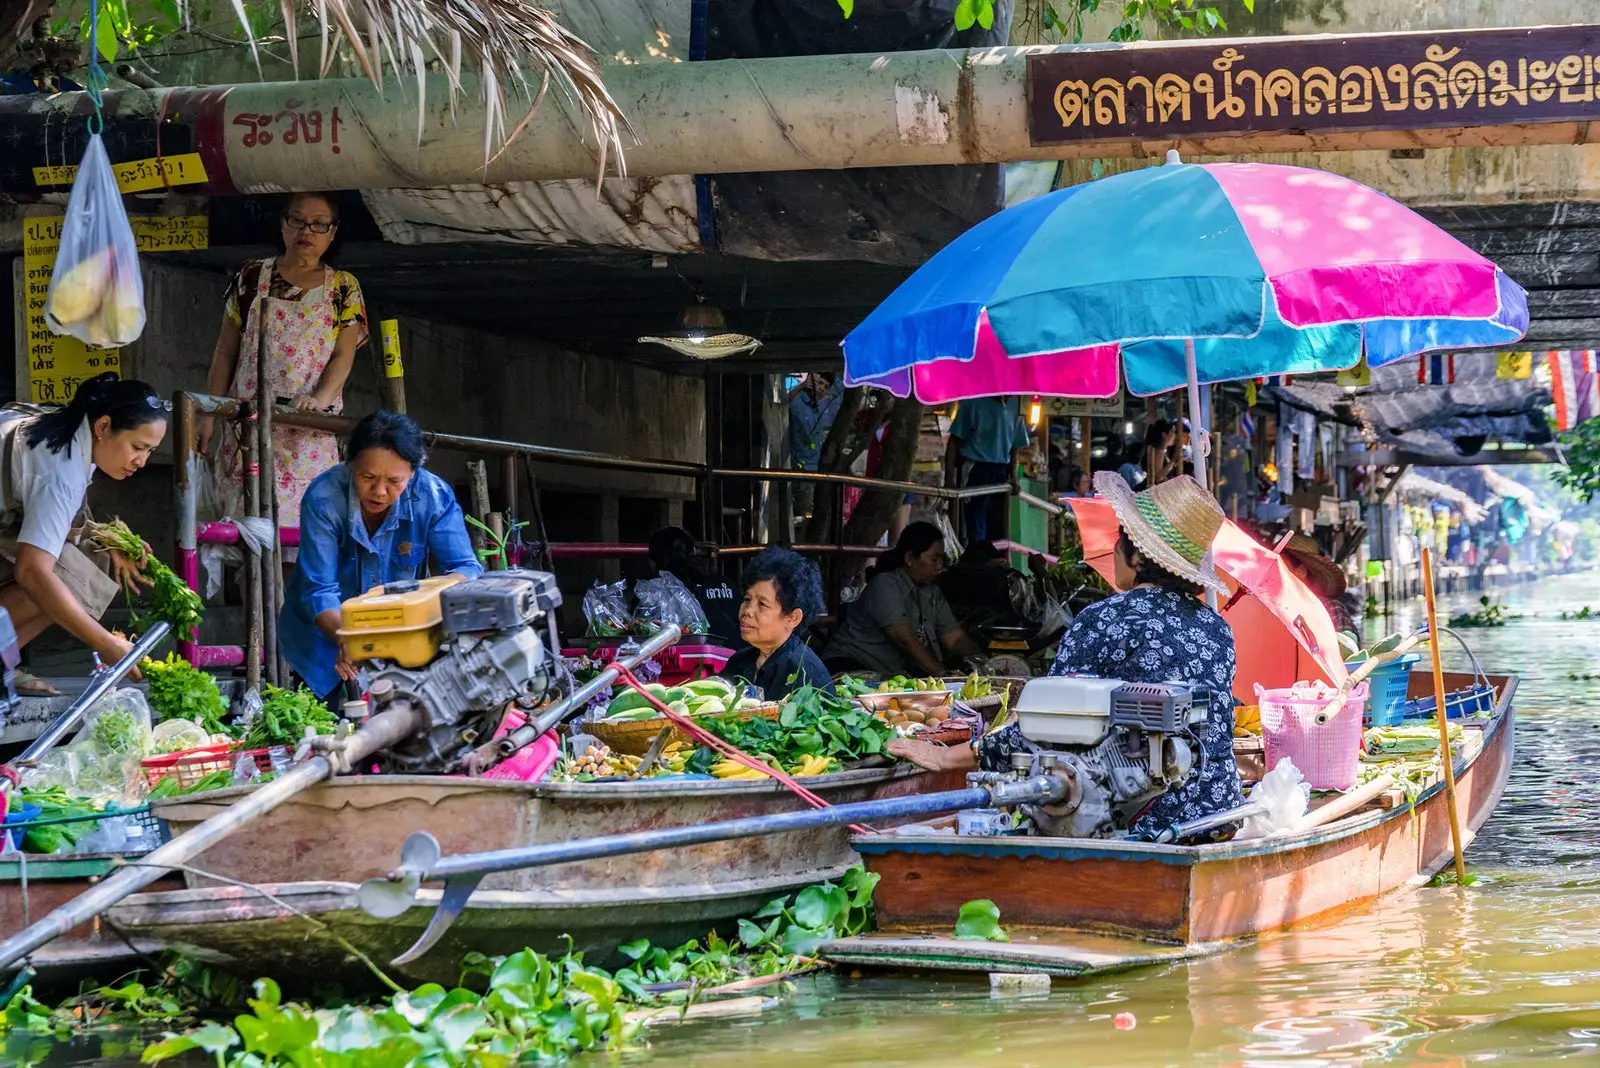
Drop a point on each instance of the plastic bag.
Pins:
(96, 293)
(115, 736)
(663, 601)
(606, 609)
(1287, 796)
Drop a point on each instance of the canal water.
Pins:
(1505, 972)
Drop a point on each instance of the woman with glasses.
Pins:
(46, 462)
(306, 320)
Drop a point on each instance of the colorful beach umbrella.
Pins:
(1185, 273)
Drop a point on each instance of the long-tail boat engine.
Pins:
(1117, 744)
(458, 652)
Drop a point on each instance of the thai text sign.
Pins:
(1324, 84)
(135, 176)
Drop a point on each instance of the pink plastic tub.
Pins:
(1327, 753)
(532, 762)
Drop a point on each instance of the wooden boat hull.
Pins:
(1194, 896)
(314, 851)
(31, 886)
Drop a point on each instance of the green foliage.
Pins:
(1581, 473)
(980, 921)
(55, 804)
(810, 723)
(169, 599)
(1488, 614)
(284, 717)
(500, 541)
(179, 690)
(1064, 20)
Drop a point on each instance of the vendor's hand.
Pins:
(129, 575)
(924, 755)
(312, 402)
(344, 666)
(114, 649)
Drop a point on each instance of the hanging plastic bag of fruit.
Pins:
(96, 293)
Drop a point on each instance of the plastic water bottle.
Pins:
(279, 756)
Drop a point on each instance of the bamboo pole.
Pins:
(1444, 720)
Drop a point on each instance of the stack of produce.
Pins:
(179, 690)
(1247, 721)
(702, 697)
(169, 599)
(810, 723)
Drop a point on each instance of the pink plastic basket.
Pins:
(1328, 754)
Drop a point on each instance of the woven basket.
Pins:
(633, 737)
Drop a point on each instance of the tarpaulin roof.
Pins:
(1443, 421)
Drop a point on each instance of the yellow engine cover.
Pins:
(402, 626)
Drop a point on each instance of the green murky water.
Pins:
(1507, 972)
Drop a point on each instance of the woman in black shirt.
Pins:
(782, 590)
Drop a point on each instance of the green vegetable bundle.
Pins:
(170, 600)
(284, 717)
(179, 690)
(810, 723)
(54, 804)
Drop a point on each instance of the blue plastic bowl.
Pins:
(24, 813)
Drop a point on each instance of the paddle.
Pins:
(1444, 721)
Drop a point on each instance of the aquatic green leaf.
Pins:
(456, 1026)
(818, 906)
(980, 920)
(474, 963)
(774, 907)
(635, 949)
(419, 1004)
(167, 1048)
(267, 994)
(803, 941)
(751, 934)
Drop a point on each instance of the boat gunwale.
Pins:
(1358, 822)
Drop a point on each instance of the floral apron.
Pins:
(300, 336)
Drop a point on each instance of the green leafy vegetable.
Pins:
(115, 731)
(179, 690)
(170, 600)
(54, 804)
(285, 715)
(810, 723)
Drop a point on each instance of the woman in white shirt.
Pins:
(46, 462)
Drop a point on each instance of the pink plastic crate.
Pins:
(679, 664)
(1328, 753)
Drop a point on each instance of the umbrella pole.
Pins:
(1199, 436)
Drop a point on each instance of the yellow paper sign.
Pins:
(1357, 377)
(390, 329)
(171, 233)
(56, 364)
(1513, 365)
(135, 176)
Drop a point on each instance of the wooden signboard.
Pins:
(1312, 85)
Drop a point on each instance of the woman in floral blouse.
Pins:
(1157, 631)
(307, 319)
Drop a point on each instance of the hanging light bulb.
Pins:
(1035, 411)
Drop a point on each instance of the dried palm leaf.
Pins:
(501, 38)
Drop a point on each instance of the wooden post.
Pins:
(1086, 445)
(1444, 720)
(478, 479)
(394, 372)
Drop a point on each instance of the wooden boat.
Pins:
(311, 854)
(31, 886)
(1087, 906)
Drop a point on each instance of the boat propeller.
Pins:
(421, 859)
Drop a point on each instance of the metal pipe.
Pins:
(185, 464)
(790, 113)
(1043, 505)
(100, 684)
(549, 717)
(379, 732)
(508, 493)
(943, 492)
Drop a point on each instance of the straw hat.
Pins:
(1328, 576)
(1173, 523)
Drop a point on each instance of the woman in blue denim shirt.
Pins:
(376, 518)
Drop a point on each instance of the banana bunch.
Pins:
(1247, 721)
(732, 769)
(813, 764)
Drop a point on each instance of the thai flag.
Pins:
(1576, 385)
(1247, 428)
(1436, 369)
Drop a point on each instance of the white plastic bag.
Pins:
(1287, 796)
(664, 600)
(96, 293)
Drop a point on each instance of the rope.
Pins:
(732, 752)
(98, 80)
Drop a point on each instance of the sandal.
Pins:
(29, 685)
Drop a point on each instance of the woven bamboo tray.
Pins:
(633, 737)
